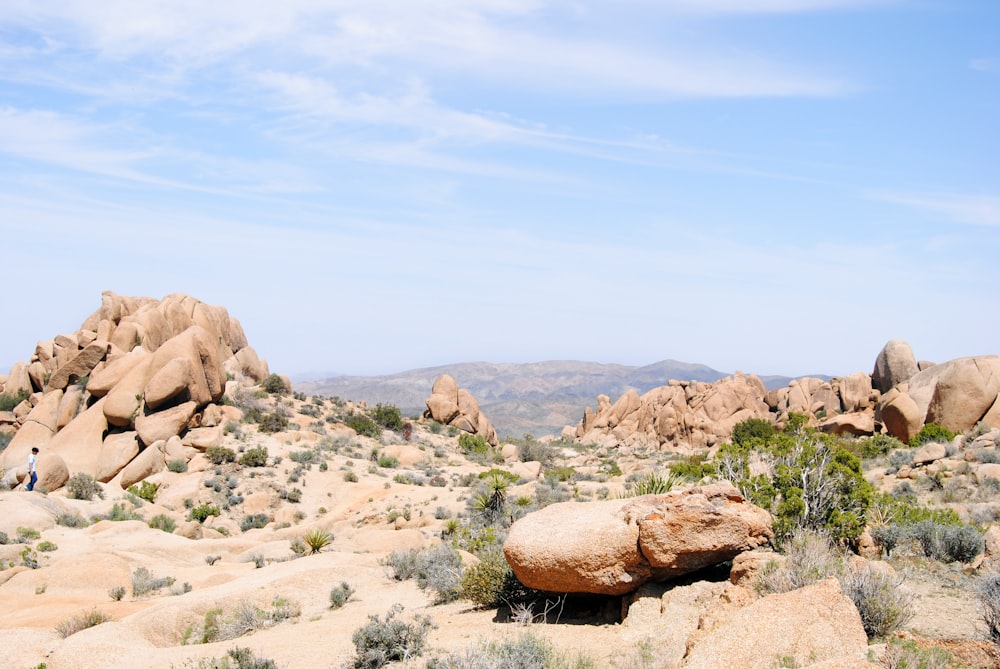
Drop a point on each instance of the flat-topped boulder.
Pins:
(612, 547)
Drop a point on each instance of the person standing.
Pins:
(32, 468)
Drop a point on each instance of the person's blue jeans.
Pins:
(33, 481)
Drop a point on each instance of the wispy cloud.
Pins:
(991, 65)
(982, 210)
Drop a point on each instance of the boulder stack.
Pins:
(137, 373)
(451, 405)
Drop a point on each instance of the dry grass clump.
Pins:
(81, 622)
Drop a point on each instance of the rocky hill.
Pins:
(272, 529)
(538, 398)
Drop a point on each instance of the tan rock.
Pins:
(929, 453)
(987, 471)
(79, 365)
(52, 472)
(856, 424)
(612, 547)
(964, 392)
(109, 373)
(208, 379)
(18, 380)
(202, 438)
(124, 404)
(167, 383)
(817, 623)
(69, 406)
(895, 364)
(149, 461)
(748, 565)
(80, 443)
(162, 425)
(117, 451)
(901, 416)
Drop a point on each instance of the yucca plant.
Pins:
(651, 483)
(317, 540)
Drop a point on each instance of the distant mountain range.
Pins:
(538, 398)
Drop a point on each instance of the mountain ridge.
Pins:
(535, 397)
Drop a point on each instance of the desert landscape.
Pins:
(193, 509)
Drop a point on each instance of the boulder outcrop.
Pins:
(612, 547)
(451, 405)
(138, 371)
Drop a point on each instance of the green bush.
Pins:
(46, 546)
(274, 385)
(145, 490)
(163, 522)
(254, 521)
(388, 416)
(8, 402)
(491, 581)
(650, 483)
(477, 449)
(177, 466)
(753, 432)
(526, 652)
(931, 432)
(947, 543)
(203, 511)
(363, 425)
(317, 540)
(83, 486)
(391, 640)
(272, 422)
(693, 468)
(218, 455)
(254, 457)
(387, 462)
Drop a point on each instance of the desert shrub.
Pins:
(145, 490)
(530, 450)
(118, 513)
(380, 642)
(900, 458)
(143, 582)
(83, 486)
(272, 422)
(254, 521)
(177, 466)
(238, 658)
(809, 558)
(988, 593)
(491, 581)
(476, 448)
(807, 480)
(946, 542)
(203, 511)
(526, 652)
(442, 513)
(752, 432)
(931, 432)
(305, 457)
(350, 477)
(906, 654)
(692, 468)
(274, 385)
(8, 402)
(388, 416)
(46, 546)
(81, 622)
(5, 439)
(218, 455)
(561, 473)
(70, 520)
(316, 539)
(117, 593)
(440, 571)
(26, 534)
(340, 594)
(387, 462)
(402, 564)
(163, 522)
(883, 603)
(254, 457)
(878, 444)
(4, 539)
(294, 495)
(363, 425)
(247, 617)
(650, 483)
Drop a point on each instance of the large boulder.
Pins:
(895, 364)
(612, 547)
(814, 624)
(450, 405)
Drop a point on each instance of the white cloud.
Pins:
(981, 210)
(990, 65)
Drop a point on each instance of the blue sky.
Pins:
(775, 186)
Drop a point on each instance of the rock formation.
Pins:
(137, 373)
(612, 547)
(898, 398)
(451, 405)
